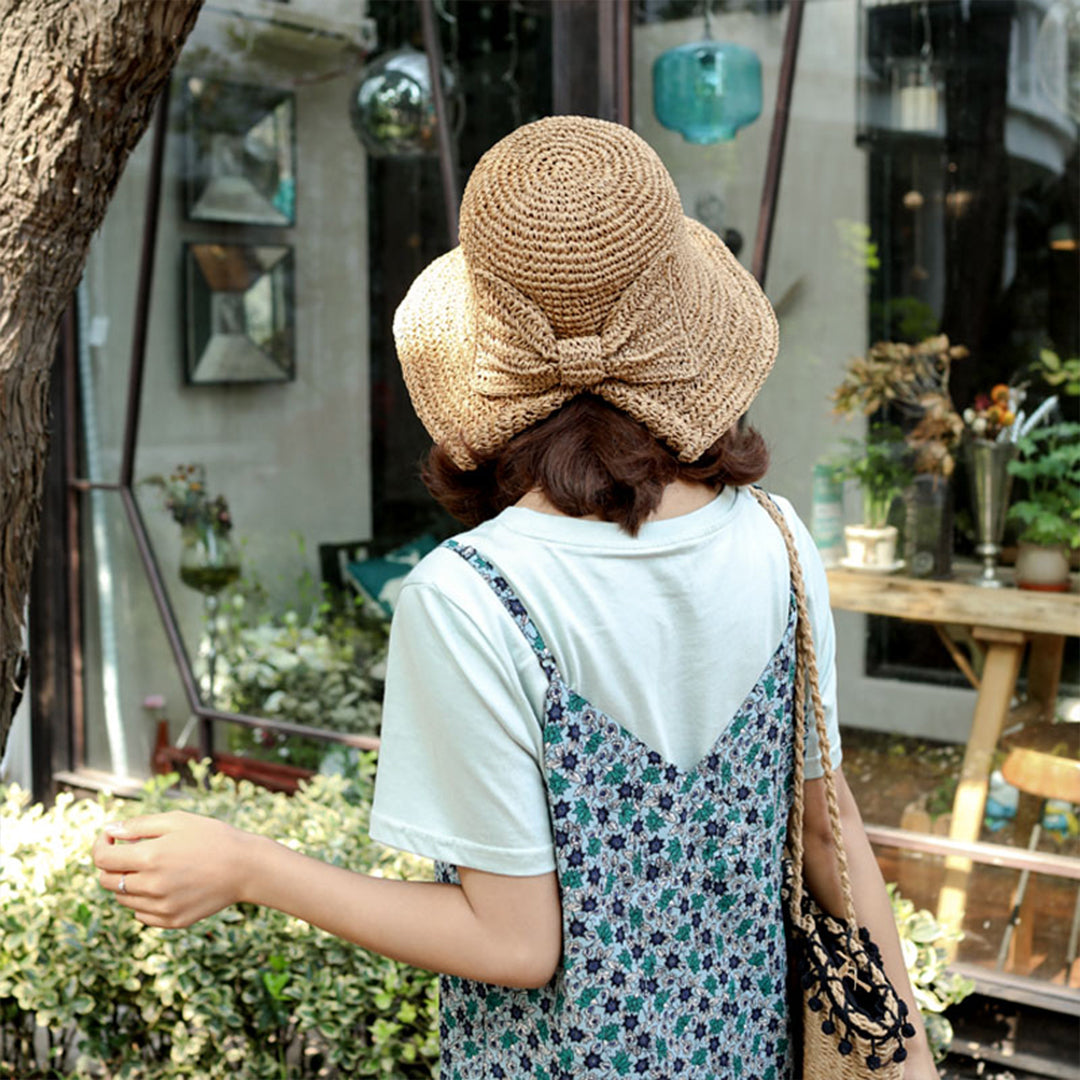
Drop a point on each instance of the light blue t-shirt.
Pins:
(666, 632)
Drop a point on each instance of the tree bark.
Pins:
(78, 82)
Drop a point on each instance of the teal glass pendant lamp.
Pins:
(707, 90)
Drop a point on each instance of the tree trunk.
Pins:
(78, 82)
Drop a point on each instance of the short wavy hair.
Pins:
(590, 460)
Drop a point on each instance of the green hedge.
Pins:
(87, 991)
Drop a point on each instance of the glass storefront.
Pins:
(929, 186)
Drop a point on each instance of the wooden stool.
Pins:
(1043, 763)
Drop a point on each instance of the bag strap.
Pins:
(806, 682)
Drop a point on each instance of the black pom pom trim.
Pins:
(844, 1047)
(900, 1055)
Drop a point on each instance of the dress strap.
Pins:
(509, 600)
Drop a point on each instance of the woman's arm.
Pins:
(872, 907)
(184, 867)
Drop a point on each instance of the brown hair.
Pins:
(588, 458)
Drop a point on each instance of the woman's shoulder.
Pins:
(452, 574)
(784, 504)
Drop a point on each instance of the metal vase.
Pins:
(991, 483)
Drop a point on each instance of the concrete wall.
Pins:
(293, 459)
(818, 288)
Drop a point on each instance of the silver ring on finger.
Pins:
(122, 887)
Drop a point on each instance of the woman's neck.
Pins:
(679, 497)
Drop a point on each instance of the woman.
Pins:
(588, 718)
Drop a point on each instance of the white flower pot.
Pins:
(871, 548)
(1042, 568)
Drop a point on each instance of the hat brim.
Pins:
(728, 320)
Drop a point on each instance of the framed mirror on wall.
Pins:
(240, 148)
(239, 314)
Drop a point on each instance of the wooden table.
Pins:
(1004, 622)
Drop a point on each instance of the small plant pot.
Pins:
(869, 548)
(1043, 568)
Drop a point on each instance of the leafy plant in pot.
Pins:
(911, 382)
(879, 465)
(1049, 513)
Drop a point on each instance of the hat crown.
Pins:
(570, 211)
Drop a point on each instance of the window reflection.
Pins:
(928, 174)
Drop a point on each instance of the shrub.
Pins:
(924, 941)
(323, 669)
(248, 993)
(87, 991)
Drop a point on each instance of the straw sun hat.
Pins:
(577, 272)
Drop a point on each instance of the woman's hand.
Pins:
(178, 868)
(182, 867)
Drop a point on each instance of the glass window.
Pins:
(929, 186)
(277, 454)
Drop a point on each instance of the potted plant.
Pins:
(912, 381)
(879, 464)
(1049, 513)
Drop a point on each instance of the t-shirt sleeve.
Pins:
(824, 632)
(459, 776)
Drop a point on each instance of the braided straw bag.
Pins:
(853, 1024)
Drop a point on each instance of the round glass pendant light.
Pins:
(707, 90)
(393, 109)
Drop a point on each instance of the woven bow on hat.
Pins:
(517, 351)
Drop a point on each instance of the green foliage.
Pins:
(924, 941)
(1063, 375)
(857, 249)
(1049, 463)
(86, 990)
(324, 670)
(906, 318)
(879, 464)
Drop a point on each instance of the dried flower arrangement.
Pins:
(185, 497)
(914, 379)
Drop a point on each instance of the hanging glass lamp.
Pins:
(392, 108)
(707, 90)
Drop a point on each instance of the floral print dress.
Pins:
(674, 958)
